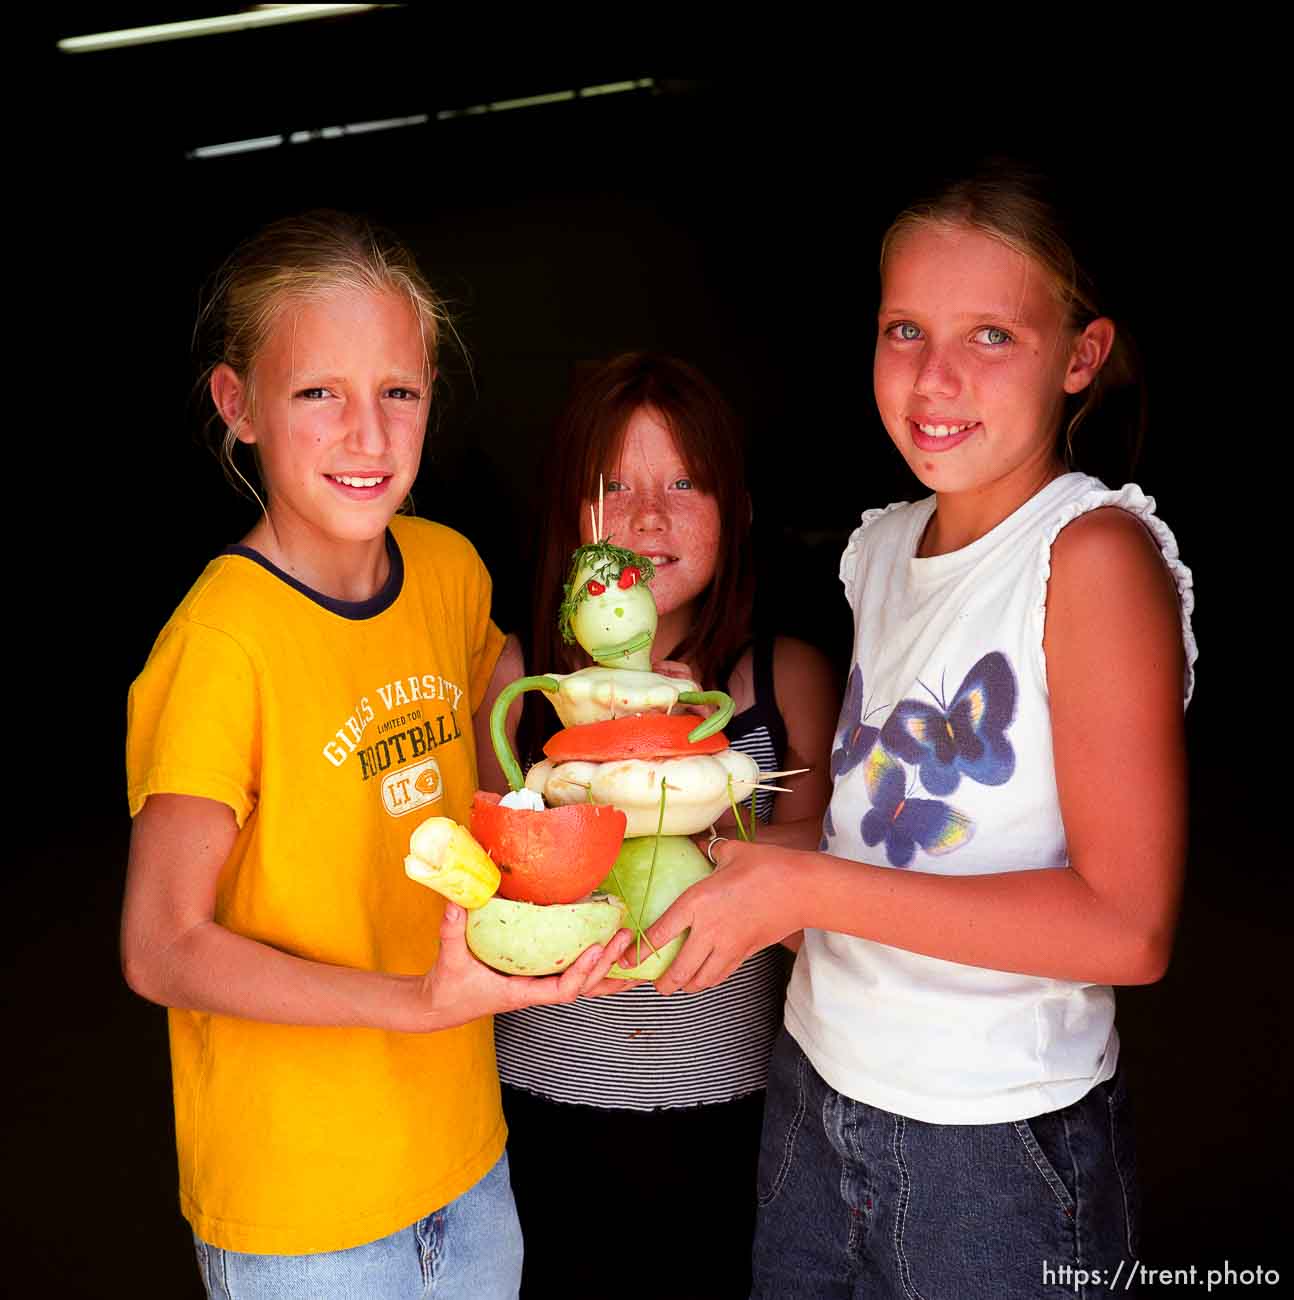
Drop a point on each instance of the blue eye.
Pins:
(614, 485)
(404, 394)
(992, 336)
(683, 483)
(903, 331)
(313, 394)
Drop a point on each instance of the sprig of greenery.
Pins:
(606, 562)
(651, 870)
(640, 930)
(736, 812)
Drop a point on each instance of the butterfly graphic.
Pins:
(904, 823)
(853, 736)
(967, 737)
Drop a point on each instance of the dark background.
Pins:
(732, 220)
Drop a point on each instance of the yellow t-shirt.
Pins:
(331, 731)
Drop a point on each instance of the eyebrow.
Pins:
(309, 378)
(985, 315)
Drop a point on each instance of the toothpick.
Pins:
(795, 771)
(593, 523)
(781, 789)
(598, 538)
(570, 780)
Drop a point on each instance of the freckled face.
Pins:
(341, 394)
(651, 506)
(973, 354)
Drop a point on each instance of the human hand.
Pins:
(609, 986)
(674, 668)
(459, 987)
(682, 672)
(745, 905)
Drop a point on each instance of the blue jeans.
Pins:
(855, 1201)
(468, 1250)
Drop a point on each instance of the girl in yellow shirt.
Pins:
(313, 697)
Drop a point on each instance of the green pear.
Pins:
(679, 864)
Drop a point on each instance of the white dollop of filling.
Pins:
(527, 800)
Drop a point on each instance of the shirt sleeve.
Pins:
(852, 556)
(194, 721)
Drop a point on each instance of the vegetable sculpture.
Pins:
(611, 807)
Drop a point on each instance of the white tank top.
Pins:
(943, 764)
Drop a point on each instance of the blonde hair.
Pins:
(1012, 204)
(296, 260)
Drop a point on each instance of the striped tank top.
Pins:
(639, 1051)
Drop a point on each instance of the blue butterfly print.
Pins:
(828, 831)
(905, 823)
(967, 737)
(853, 737)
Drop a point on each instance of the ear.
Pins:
(1090, 350)
(229, 393)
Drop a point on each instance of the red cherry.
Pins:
(628, 576)
(595, 588)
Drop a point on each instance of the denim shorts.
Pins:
(855, 1201)
(469, 1249)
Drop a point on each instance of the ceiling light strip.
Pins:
(417, 119)
(306, 137)
(617, 87)
(236, 146)
(556, 97)
(261, 16)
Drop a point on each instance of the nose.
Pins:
(649, 513)
(367, 433)
(937, 376)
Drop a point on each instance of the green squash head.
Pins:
(608, 607)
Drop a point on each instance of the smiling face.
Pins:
(338, 419)
(652, 506)
(974, 357)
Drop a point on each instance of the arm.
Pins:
(175, 953)
(510, 666)
(809, 701)
(1114, 651)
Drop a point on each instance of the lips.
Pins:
(660, 560)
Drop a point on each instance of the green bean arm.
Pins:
(717, 720)
(498, 724)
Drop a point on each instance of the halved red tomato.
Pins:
(554, 856)
(653, 735)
